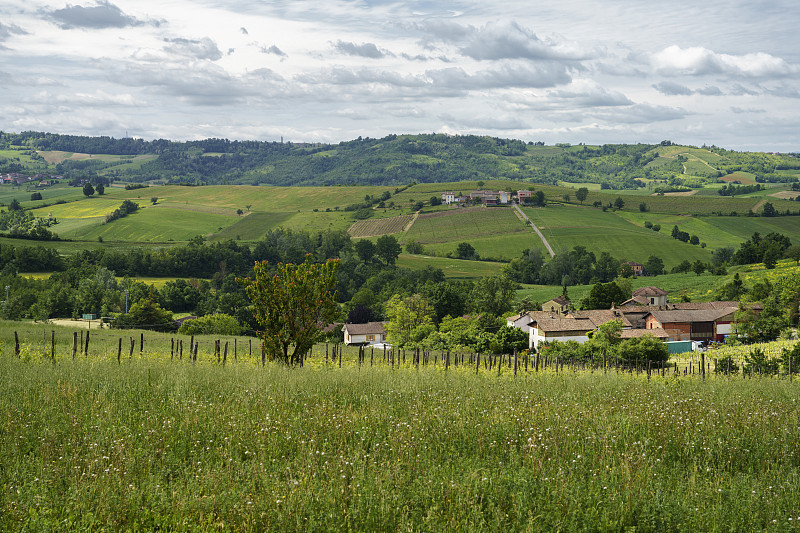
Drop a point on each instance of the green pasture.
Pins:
(160, 225)
(598, 231)
(59, 191)
(68, 248)
(718, 232)
(252, 227)
(160, 444)
(494, 232)
(85, 208)
(452, 268)
(259, 198)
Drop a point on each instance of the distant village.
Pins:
(38, 180)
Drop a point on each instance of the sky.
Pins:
(617, 71)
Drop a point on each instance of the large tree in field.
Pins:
(293, 304)
(388, 249)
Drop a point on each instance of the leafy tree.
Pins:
(414, 247)
(435, 200)
(656, 227)
(492, 295)
(603, 295)
(88, 190)
(365, 249)
(510, 339)
(606, 267)
(292, 304)
(619, 203)
(793, 252)
(388, 249)
(36, 196)
(581, 194)
(625, 270)
(646, 348)
(683, 267)
(769, 210)
(146, 314)
(14, 205)
(723, 256)
(465, 251)
(360, 314)
(694, 239)
(101, 189)
(654, 266)
(643, 207)
(213, 324)
(698, 267)
(408, 318)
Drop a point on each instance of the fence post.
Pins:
(119, 349)
(225, 355)
(16, 344)
(133, 345)
(180, 350)
(234, 348)
(141, 343)
(74, 344)
(172, 349)
(86, 348)
(703, 364)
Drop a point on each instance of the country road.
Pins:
(539, 233)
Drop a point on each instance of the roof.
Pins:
(636, 300)
(691, 315)
(560, 300)
(633, 263)
(601, 316)
(564, 324)
(370, 328)
(658, 333)
(650, 291)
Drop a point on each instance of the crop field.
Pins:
(154, 443)
(452, 268)
(261, 198)
(493, 232)
(598, 231)
(252, 227)
(382, 226)
(60, 191)
(160, 225)
(717, 232)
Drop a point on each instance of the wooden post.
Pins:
(74, 344)
(191, 346)
(263, 354)
(703, 364)
(86, 347)
(447, 361)
(216, 349)
(81, 344)
(250, 350)
(340, 355)
(141, 343)
(515, 362)
(172, 349)
(194, 354)
(234, 348)
(53, 344)
(16, 344)
(133, 345)
(477, 362)
(180, 350)
(225, 355)
(119, 350)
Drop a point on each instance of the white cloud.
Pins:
(699, 61)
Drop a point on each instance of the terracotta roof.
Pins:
(658, 333)
(691, 315)
(560, 300)
(370, 328)
(649, 291)
(564, 324)
(601, 316)
(636, 300)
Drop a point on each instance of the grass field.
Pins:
(382, 226)
(253, 226)
(159, 444)
(493, 232)
(159, 224)
(598, 231)
(452, 268)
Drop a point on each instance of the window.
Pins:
(370, 338)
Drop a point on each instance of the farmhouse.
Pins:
(637, 268)
(655, 295)
(559, 329)
(369, 333)
(559, 304)
(490, 197)
(692, 324)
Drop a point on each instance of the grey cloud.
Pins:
(363, 50)
(672, 89)
(203, 48)
(598, 97)
(7, 30)
(784, 91)
(101, 15)
(512, 41)
(273, 50)
(486, 122)
(740, 110)
(539, 76)
(643, 114)
(737, 89)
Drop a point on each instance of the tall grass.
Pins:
(159, 444)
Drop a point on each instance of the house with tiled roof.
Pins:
(369, 333)
(655, 295)
(559, 304)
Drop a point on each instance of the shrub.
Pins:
(213, 324)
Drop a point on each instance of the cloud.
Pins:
(101, 15)
(368, 50)
(244, 31)
(671, 88)
(7, 30)
(485, 122)
(699, 61)
(203, 48)
(97, 98)
(273, 50)
(741, 110)
(642, 114)
(512, 41)
(587, 93)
